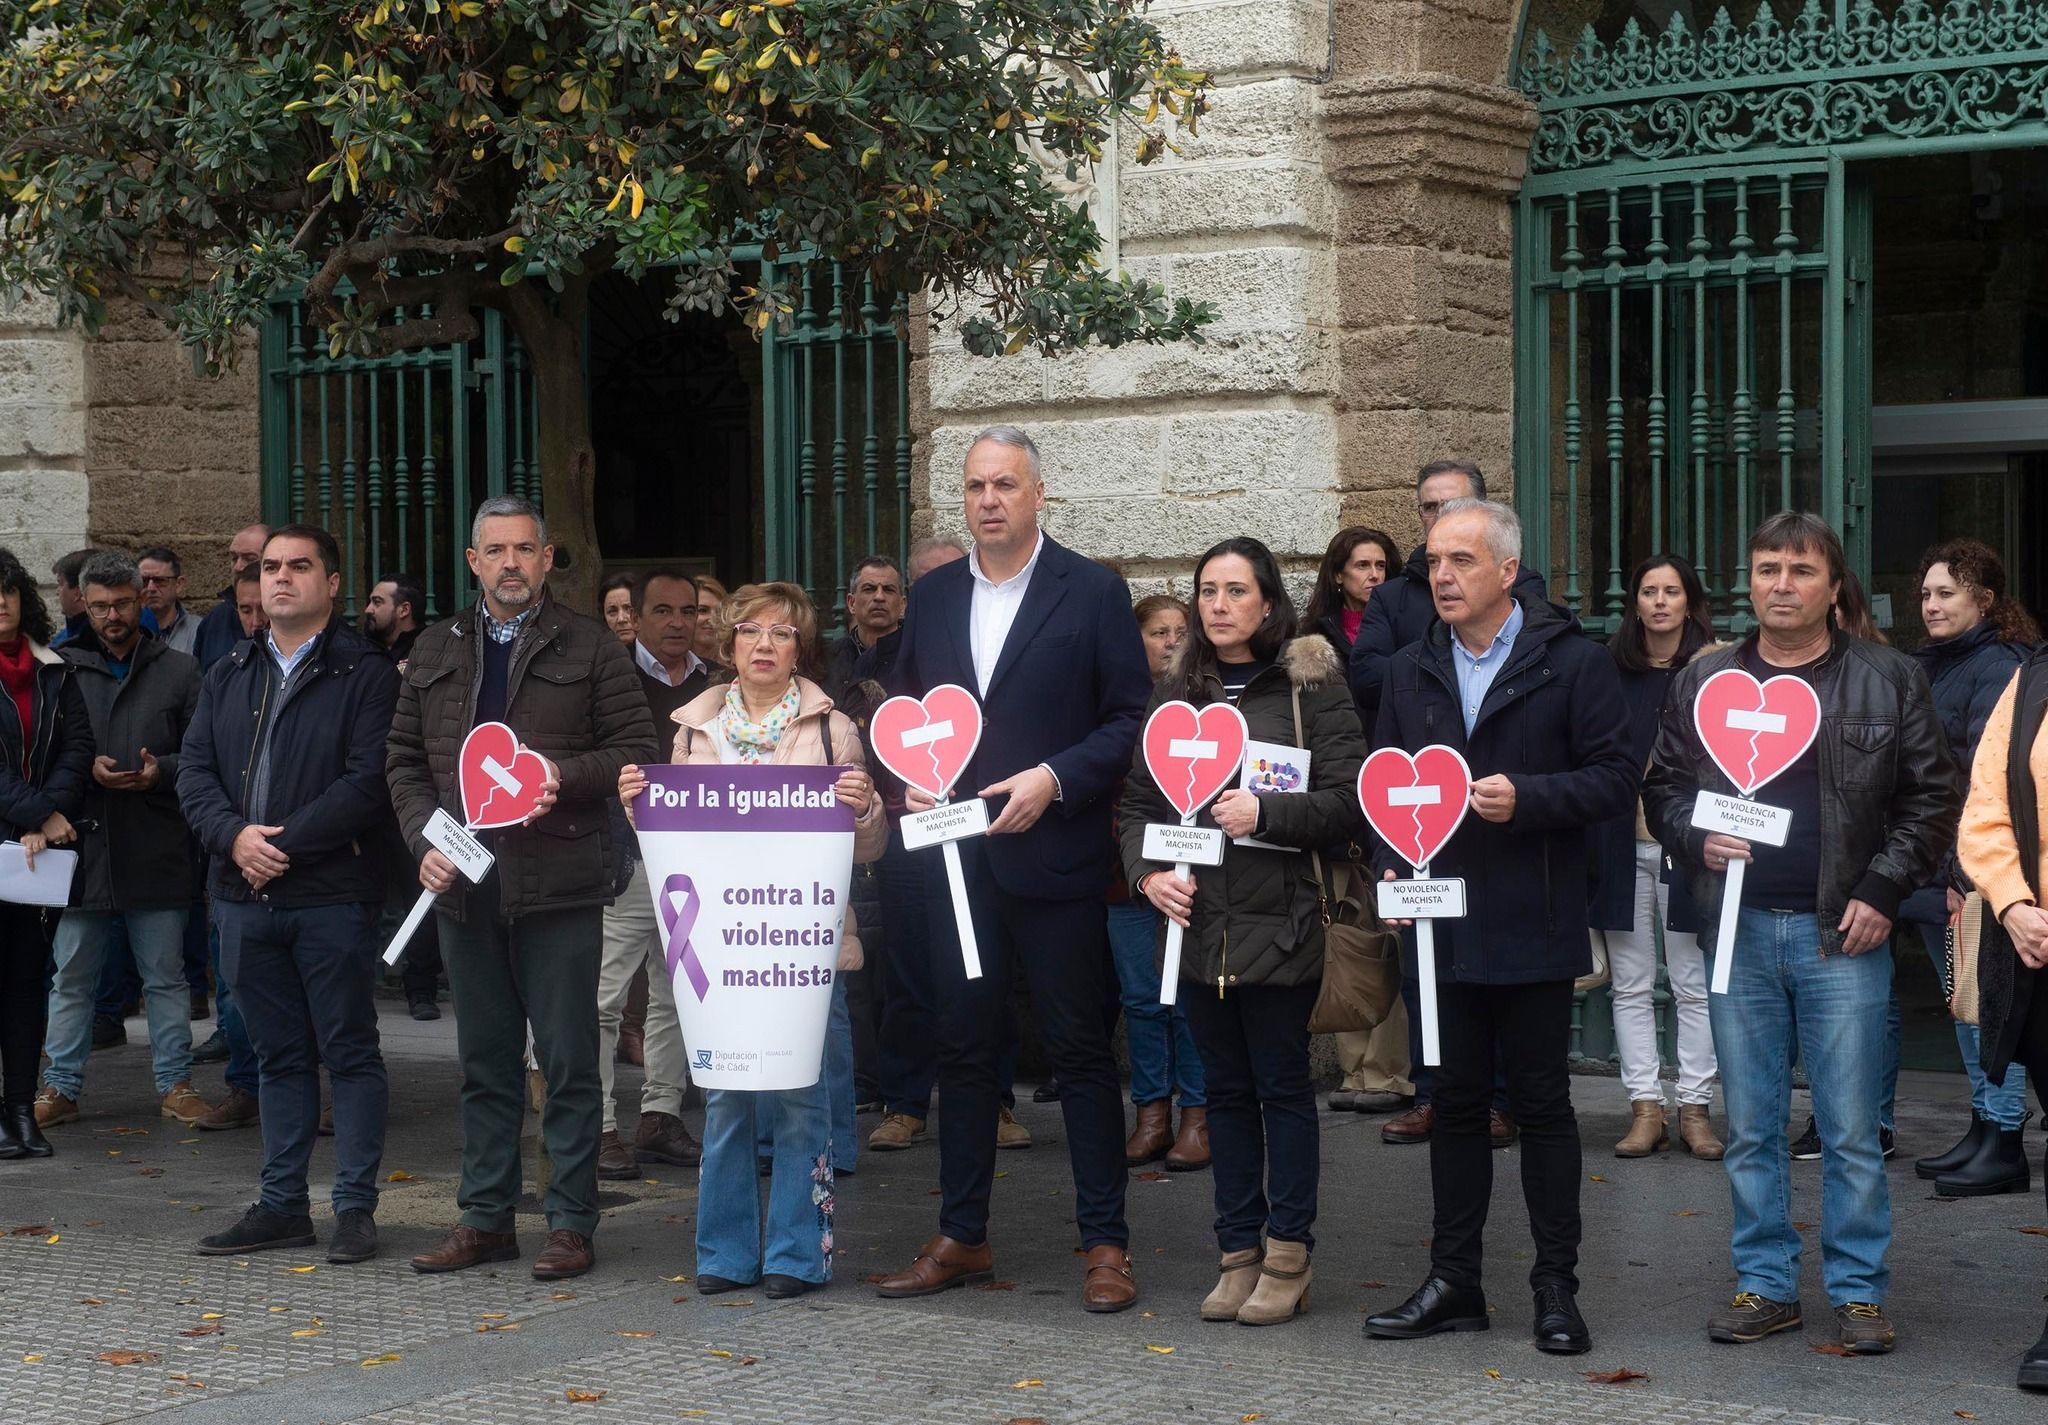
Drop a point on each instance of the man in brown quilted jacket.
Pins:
(522, 946)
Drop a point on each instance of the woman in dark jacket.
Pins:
(1252, 962)
(1358, 561)
(1664, 623)
(1977, 635)
(45, 764)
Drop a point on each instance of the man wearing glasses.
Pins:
(135, 853)
(163, 599)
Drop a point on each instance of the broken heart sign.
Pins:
(1194, 753)
(1755, 730)
(1415, 802)
(501, 782)
(928, 742)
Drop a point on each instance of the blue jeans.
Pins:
(1783, 994)
(306, 979)
(2004, 1104)
(1163, 1054)
(839, 1080)
(798, 1123)
(157, 938)
(227, 1015)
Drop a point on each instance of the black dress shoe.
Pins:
(1436, 1306)
(778, 1287)
(1047, 1092)
(213, 1049)
(1560, 1329)
(424, 1009)
(2034, 1364)
(713, 1286)
(21, 1117)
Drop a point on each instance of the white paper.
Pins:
(1273, 769)
(948, 821)
(1742, 818)
(1422, 900)
(453, 840)
(1173, 843)
(49, 884)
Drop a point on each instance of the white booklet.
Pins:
(49, 884)
(1273, 767)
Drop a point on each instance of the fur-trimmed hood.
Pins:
(1311, 660)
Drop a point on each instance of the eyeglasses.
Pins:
(151, 580)
(782, 634)
(100, 609)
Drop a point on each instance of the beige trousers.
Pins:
(632, 936)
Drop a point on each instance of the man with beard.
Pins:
(523, 946)
(394, 613)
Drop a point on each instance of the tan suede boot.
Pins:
(1696, 1131)
(1282, 1292)
(1234, 1287)
(1647, 1134)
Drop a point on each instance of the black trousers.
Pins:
(1060, 949)
(2032, 1050)
(24, 998)
(1524, 1030)
(1265, 1147)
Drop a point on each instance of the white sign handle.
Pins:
(1425, 984)
(970, 952)
(1724, 934)
(1169, 970)
(406, 931)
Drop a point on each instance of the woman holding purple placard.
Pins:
(771, 713)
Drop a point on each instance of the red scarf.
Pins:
(18, 677)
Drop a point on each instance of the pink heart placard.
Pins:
(1194, 753)
(1415, 802)
(1755, 730)
(501, 782)
(928, 742)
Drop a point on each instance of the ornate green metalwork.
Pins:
(1969, 67)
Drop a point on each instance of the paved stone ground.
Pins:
(98, 1260)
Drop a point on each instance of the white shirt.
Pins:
(651, 666)
(994, 610)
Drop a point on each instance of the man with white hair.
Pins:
(1535, 708)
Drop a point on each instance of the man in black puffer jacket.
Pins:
(1537, 713)
(282, 780)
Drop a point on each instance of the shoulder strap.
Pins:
(1315, 856)
(824, 722)
(2030, 707)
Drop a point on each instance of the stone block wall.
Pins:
(1347, 207)
(43, 482)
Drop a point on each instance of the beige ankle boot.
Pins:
(1696, 1131)
(1646, 1135)
(1234, 1287)
(1282, 1293)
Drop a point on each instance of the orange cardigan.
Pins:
(1985, 842)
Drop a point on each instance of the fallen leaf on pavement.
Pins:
(1148, 1315)
(1247, 1419)
(1025, 1420)
(1374, 1286)
(53, 1238)
(1151, 1177)
(747, 1360)
(398, 1175)
(675, 1279)
(1620, 1376)
(34, 1229)
(498, 1326)
(213, 1328)
(636, 1335)
(1830, 1348)
(90, 1301)
(136, 1132)
(679, 1300)
(997, 1286)
(1687, 1212)
(1159, 1350)
(492, 1316)
(302, 1270)
(32, 1359)
(370, 1363)
(309, 1331)
(2035, 1231)
(584, 1397)
(128, 1358)
(722, 1355)
(1492, 1374)
(1966, 1415)
(221, 1315)
(150, 1172)
(1027, 1385)
(1596, 1178)
(561, 1296)
(743, 1301)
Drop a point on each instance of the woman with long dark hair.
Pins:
(1977, 634)
(1253, 959)
(1663, 624)
(45, 764)
(1357, 561)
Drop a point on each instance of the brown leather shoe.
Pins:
(1009, 1132)
(567, 1254)
(1414, 1126)
(1190, 1151)
(237, 1110)
(1501, 1129)
(663, 1138)
(615, 1161)
(465, 1247)
(1109, 1285)
(184, 1104)
(940, 1263)
(896, 1132)
(1152, 1136)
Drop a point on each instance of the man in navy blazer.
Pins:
(1045, 639)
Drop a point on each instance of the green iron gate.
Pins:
(393, 453)
(1693, 257)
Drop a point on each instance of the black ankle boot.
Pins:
(21, 1117)
(1965, 1149)
(2000, 1165)
(11, 1145)
(2034, 1364)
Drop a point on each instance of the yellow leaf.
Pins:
(515, 244)
(584, 1397)
(618, 196)
(1492, 1374)
(675, 1279)
(32, 1359)
(218, 1315)
(53, 1238)
(1247, 1419)
(309, 1331)
(1027, 1385)
(815, 142)
(493, 1315)
(400, 1175)
(302, 1270)
(639, 201)
(627, 149)
(371, 1363)
(636, 1335)
(722, 1355)
(941, 166)
(1159, 1350)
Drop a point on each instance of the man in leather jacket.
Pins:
(1874, 802)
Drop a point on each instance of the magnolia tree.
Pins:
(199, 156)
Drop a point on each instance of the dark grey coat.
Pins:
(138, 853)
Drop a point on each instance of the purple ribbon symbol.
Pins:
(677, 924)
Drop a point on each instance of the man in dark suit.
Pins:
(1046, 640)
